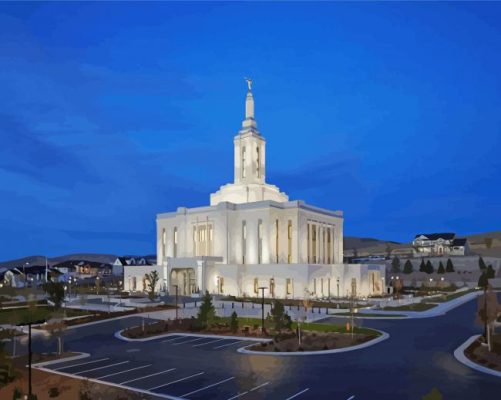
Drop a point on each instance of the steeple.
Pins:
(249, 121)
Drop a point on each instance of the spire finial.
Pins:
(249, 83)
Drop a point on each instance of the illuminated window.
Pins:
(175, 242)
(272, 287)
(256, 286)
(164, 240)
(288, 286)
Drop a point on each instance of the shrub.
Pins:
(234, 322)
(54, 391)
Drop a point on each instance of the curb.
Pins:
(459, 355)
(372, 342)
(118, 335)
(60, 360)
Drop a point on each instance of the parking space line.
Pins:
(259, 387)
(147, 376)
(351, 398)
(123, 372)
(176, 381)
(297, 394)
(229, 344)
(248, 391)
(189, 341)
(95, 369)
(209, 386)
(172, 339)
(212, 341)
(76, 365)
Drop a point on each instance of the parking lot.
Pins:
(168, 378)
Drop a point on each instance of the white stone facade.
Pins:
(252, 236)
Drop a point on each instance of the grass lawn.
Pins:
(347, 314)
(20, 315)
(453, 296)
(412, 307)
(308, 326)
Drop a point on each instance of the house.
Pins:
(118, 265)
(438, 244)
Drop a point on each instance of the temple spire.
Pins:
(249, 106)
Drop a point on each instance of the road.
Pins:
(417, 357)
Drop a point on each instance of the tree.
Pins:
(207, 312)
(422, 266)
(234, 322)
(481, 264)
(395, 265)
(483, 281)
(441, 269)
(55, 293)
(490, 272)
(278, 316)
(433, 395)
(151, 280)
(449, 267)
(429, 267)
(408, 268)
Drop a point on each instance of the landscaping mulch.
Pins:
(312, 341)
(481, 355)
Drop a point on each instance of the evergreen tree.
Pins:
(422, 266)
(234, 322)
(207, 312)
(449, 267)
(441, 269)
(481, 264)
(483, 281)
(490, 272)
(278, 316)
(395, 265)
(429, 267)
(408, 268)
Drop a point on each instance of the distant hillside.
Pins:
(352, 242)
(40, 260)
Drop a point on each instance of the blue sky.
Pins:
(113, 112)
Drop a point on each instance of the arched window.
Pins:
(243, 162)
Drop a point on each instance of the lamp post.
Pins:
(177, 288)
(337, 280)
(24, 272)
(262, 308)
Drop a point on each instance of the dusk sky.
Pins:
(113, 112)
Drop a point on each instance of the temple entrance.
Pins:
(185, 280)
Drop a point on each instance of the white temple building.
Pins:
(251, 236)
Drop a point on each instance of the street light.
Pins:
(262, 308)
(337, 280)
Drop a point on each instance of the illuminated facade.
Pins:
(251, 235)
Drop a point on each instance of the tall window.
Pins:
(163, 242)
(314, 243)
(256, 286)
(175, 242)
(354, 287)
(276, 240)
(272, 287)
(258, 162)
(244, 240)
(329, 246)
(195, 241)
(308, 246)
(243, 162)
(288, 286)
(289, 242)
(260, 241)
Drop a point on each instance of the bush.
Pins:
(234, 322)
(54, 391)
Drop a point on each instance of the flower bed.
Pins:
(481, 355)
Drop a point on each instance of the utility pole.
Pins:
(262, 308)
